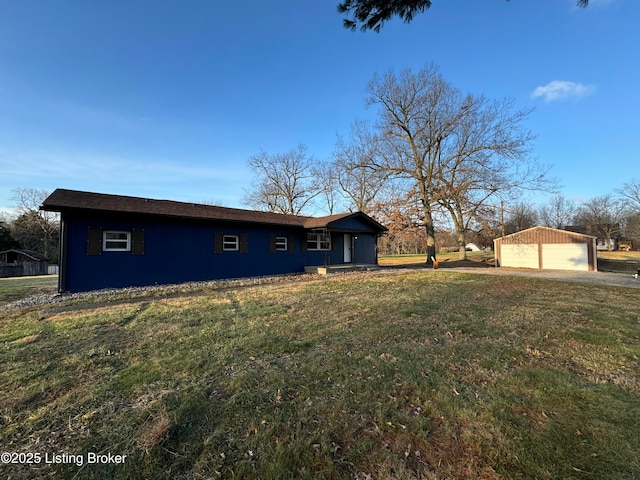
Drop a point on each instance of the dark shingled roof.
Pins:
(64, 200)
(323, 222)
(27, 253)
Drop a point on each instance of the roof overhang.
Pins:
(63, 200)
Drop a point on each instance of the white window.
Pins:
(318, 241)
(115, 241)
(281, 244)
(230, 243)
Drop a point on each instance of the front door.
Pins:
(347, 248)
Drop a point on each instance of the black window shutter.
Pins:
(137, 241)
(243, 243)
(305, 244)
(272, 243)
(217, 243)
(94, 241)
(290, 246)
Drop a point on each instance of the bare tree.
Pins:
(284, 182)
(631, 191)
(352, 161)
(520, 217)
(38, 228)
(485, 157)
(459, 150)
(327, 180)
(632, 229)
(604, 217)
(559, 213)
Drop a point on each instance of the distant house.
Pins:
(601, 243)
(118, 241)
(473, 247)
(547, 248)
(20, 262)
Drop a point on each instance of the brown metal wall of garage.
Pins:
(544, 236)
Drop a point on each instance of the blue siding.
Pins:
(178, 251)
(365, 248)
(351, 224)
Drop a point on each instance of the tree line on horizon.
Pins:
(613, 216)
(333, 186)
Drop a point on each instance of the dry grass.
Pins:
(421, 375)
(15, 288)
(443, 259)
(619, 255)
(154, 431)
(618, 261)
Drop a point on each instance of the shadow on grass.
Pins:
(447, 263)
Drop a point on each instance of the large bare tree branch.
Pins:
(631, 191)
(460, 150)
(283, 182)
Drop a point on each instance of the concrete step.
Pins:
(347, 267)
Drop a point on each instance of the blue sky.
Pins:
(168, 99)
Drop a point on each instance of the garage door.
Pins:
(565, 256)
(524, 255)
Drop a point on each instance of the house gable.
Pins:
(348, 222)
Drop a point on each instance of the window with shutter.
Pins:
(230, 243)
(282, 244)
(116, 241)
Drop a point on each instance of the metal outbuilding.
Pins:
(547, 248)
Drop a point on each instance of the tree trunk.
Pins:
(458, 222)
(431, 240)
(462, 246)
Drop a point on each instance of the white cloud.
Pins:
(561, 90)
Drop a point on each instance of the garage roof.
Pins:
(548, 234)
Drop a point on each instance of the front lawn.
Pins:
(422, 375)
(16, 288)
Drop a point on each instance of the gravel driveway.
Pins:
(626, 280)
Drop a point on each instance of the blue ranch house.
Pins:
(111, 241)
